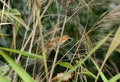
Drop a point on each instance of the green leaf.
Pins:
(3, 79)
(101, 73)
(15, 17)
(14, 12)
(17, 68)
(115, 78)
(88, 73)
(66, 64)
(23, 53)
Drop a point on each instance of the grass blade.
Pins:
(88, 73)
(17, 68)
(115, 78)
(101, 74)
(23, 53)
(113, 46)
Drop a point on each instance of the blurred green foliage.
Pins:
(88, 21)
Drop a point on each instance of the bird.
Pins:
(52, 44)
(57, 41)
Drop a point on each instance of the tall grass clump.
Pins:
(59, 40)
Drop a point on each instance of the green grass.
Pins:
(91, 52)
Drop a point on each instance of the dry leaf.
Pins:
(60, 76)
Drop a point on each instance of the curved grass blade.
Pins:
(23, 53)
(12, 16)
(115, 78)
(113, 46)
(88, 73)
(66, 65)
(17, 68)
(101, 74)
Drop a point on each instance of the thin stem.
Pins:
(38, 17)
(58, 46)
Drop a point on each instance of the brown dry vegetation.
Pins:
(70, 36)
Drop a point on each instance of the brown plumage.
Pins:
(57, 40)
(52, 44)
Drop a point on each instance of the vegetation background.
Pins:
(89, 53)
